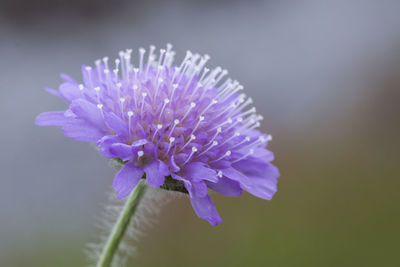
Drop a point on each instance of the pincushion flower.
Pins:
(181, 127)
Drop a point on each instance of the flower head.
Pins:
(172, 124)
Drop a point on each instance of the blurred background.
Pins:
(325, 75)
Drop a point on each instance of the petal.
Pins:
(81, 131)
(55, 118)
(226, 187)
(205, 209)
(53, 92)
(116, 124)
(126, 179)
(104, 144)
(69, 91)
(198, 171)
(156, 171)
(259, 179)
(122, 151)
(88, 112)
(195, 189)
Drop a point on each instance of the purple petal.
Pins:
(260, 180)
(205, 209)
(139, 142)
(122, 151)
(226, 187)
(81, 131)
(195, 189)
(156, 171)
(126, 179)
(105, 143)
(88, 111)
(69, 91)
(264, 186)
(198, 171)
(116, 124)
(53, 92)
(55, 118)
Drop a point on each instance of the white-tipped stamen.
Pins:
(192, 137)
(192, 105)
(227, 154)
(159, 127)
(171, 140)
(213, 144)
(194, 150)
(251, 152)
(176, 122)
(166, 101)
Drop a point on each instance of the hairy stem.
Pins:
(121, 225)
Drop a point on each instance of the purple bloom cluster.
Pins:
(185, 123)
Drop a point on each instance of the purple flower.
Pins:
(172, 124)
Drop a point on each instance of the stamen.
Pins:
(194, 150)
(141, 108)
(130, 114)
(246, 139)
(219, 174)
(141, 54)
(140, 153)
(214, 143)
(229, 120)
(236, 134)
(251, 152)
(219, 130)
(159, 126)
(192, 137)
(201, 118)
(171, 140)
(227, 154)
(192, 105)
(176, 122)
(213, 102)
(166, 101)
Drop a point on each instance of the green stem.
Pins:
(119, 229)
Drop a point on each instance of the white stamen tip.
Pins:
(144, 94)
(193, 137)
(237, 134)
(99, 106)
(135, 87)
(269, 137)
(130, 113)
(230, 120)
(171, 139)
(119, 85)
(176, 121)
(192, 104)
(97, 89)
(201, 118)
(247, 139)
(219, 130)
(194, 149)
(88, 68)
(136, 70)
(81, 87)
(251, 151)
(214, 143)
(219, 174)
(122, 100)
(166, 100)
(140, 153)
(228, 153)
(175, 85)
(159, 126)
